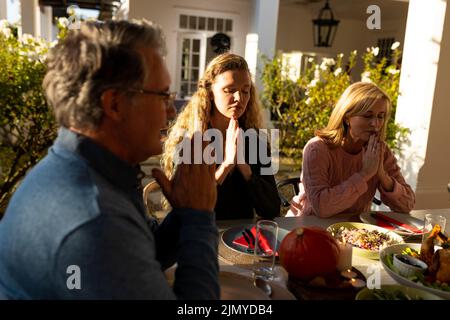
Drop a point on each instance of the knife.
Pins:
(252, 237)
(248, 240)
(395, 223)
(395, 226)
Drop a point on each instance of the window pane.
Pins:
(211, 24)
(195, 60)
(185, 74)
(195, 46)
(228, 25)
(192, 22)
(184, 89)
(219, 25)
(193, 87)
(201, 23)
(183, 21)
(186, 46)
(194, 75)
(185, 61)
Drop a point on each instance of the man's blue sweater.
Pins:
(76, 228)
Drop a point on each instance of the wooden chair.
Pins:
(287, 188)
(152, 204)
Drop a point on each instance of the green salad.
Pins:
(420, 278)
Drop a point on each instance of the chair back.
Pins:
(152, 204)
(287, 188)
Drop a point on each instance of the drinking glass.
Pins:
(429, 222)
(265, 249)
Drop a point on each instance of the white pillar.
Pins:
(31, 17)
(9, 10)
(3, 9)
(264, 24)
(251, 52)
(423, 102)
(46, 19)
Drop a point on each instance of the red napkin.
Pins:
(382, 221)
(263, 242)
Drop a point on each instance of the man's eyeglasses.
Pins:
(169, 97)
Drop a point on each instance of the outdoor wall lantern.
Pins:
(325, 27)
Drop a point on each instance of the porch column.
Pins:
(30, 12)
(46, 15)
(423, 104)
(123, 12)
(3, 9)
(262, 39)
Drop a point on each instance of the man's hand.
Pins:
(192, 185)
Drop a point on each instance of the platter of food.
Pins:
(431, 279)
(366, 239)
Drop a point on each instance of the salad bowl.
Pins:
(367, 239)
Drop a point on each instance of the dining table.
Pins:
(363, 264)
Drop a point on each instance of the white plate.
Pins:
(401, 217)
(356, 225)
(398, 248)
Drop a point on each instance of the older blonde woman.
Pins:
(226, 100)
(348, 160)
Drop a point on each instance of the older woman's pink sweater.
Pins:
(331, 183)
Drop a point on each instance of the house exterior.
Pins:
(279, 26)
(267, 26)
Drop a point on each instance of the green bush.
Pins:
(302, 106)
(27, 126)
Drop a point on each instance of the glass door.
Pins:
(192, 54)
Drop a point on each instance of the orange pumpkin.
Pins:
(309, 252)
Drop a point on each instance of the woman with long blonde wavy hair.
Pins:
(348, 160)
(226, 100)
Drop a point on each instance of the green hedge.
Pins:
(300, 107)
(27, 126)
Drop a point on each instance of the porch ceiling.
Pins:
(354, 9)
(105, 7)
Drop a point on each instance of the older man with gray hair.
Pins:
(77, 228)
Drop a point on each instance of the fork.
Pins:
(252, 237)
